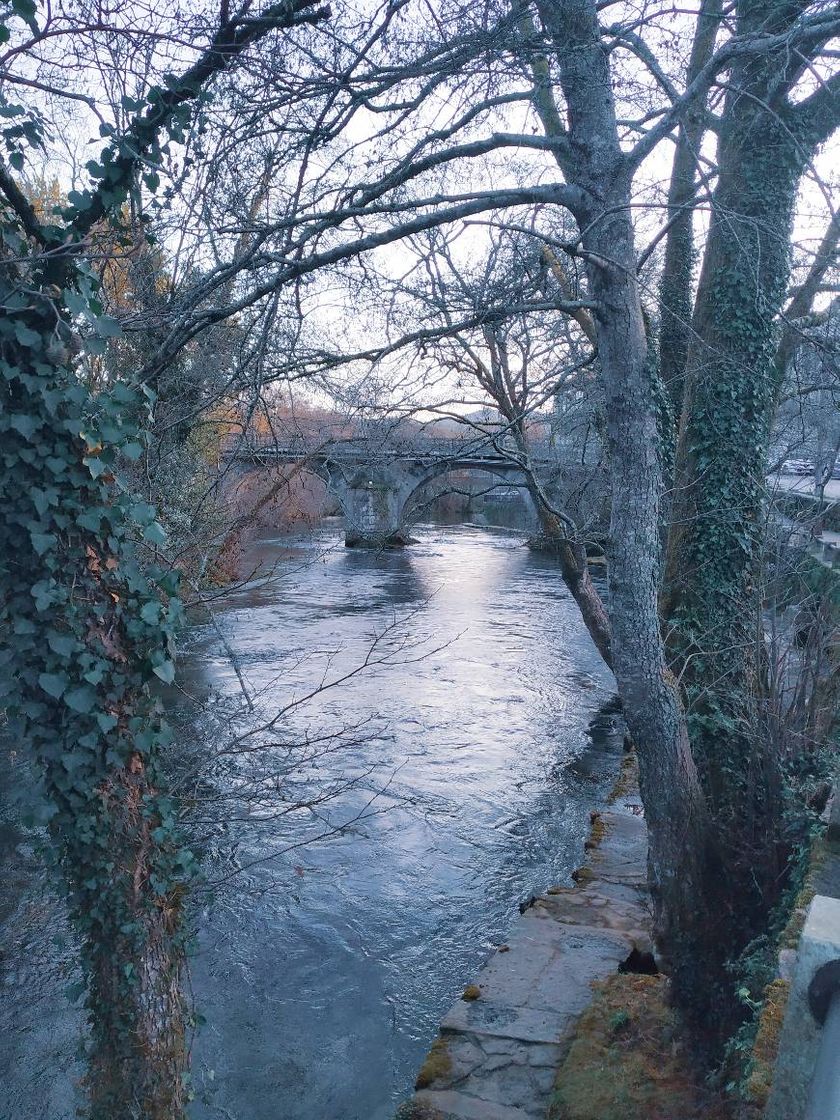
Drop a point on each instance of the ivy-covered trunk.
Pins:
(139, 1060)
(92, 628)
(713, 592)
(91, 632)
(713, 597)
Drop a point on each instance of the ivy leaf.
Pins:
(150, 612)
(81, 201)
(53, 684)
(155, 534)
(75, 302)
(24, 424)
(91, 520)
(95, 465)
(62, 644)
(41, 500)
(106, 327)
(133, 450)
(166, 672)
(143, 513)
(81, 700)
(41, 542)
(96, 346)
(26, 336)
(123, 394)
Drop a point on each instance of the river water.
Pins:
(452, 778)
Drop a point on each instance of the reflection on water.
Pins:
(322, 973)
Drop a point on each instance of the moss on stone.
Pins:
(796, 923)
(767, 1042)
(626, 1059)
(597, 831)
(437, 1066)
(583, 875)
(627, 781)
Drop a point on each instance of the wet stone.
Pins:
(543, 1056)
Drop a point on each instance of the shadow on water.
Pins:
(323, 972)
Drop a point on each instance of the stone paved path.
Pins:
(502, 1049)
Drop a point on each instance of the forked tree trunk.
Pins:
(703, 910)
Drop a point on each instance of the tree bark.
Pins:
(675, 284)
(712, 595)
(137, 1070)
(680, 850)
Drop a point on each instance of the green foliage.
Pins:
(92, 614)
(93, 630)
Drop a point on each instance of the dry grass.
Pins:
(627, 1061)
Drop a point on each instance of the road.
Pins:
(805, 484)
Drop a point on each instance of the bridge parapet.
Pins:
(295, 448)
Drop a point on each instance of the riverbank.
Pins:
(501, 1044)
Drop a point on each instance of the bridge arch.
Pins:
(490, 477)
(376, 498)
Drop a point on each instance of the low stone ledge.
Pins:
(504, 1044)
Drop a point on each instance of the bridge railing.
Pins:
(298, 447)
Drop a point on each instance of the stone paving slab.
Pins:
(504, 1047)
(451, 1104)
(525, 1024)
(550, 965)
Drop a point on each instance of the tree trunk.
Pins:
(712, 595)
(91, 634)
(574, 568)
(675, 284)
(680, 852)
(138, 1065)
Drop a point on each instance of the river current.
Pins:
(451, 778)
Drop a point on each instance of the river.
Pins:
(466, 765)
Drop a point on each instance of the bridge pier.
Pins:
(373, 503)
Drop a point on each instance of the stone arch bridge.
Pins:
(374, 483)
